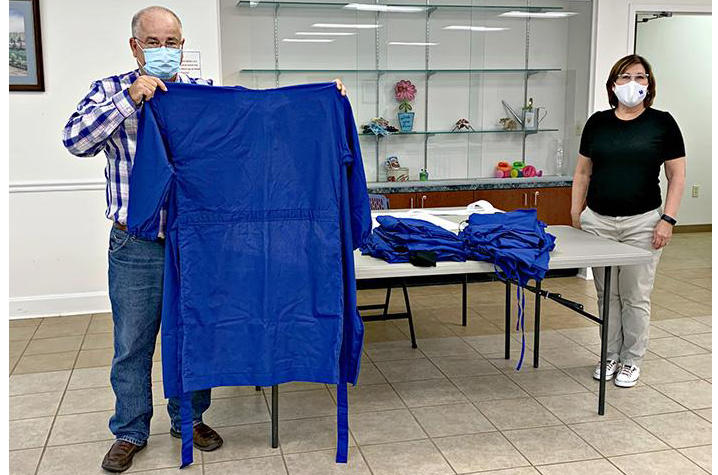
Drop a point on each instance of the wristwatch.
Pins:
(668, 219)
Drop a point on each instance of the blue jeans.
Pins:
(136, 269)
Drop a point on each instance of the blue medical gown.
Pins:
(266, 199)
(517, 244)
(395, 239)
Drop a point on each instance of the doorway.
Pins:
(678, 47)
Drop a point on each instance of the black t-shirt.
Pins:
(627, 156)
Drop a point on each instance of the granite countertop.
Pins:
(469, 184)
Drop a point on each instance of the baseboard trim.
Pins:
(693, 228)
(54, 186)
(59, 305)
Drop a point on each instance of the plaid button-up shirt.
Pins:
(106, 121)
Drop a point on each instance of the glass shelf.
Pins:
(405, 71)
(463, 132)
(535, 8)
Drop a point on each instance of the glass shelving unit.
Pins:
(429, 71)
(406, 71)
(460, 132)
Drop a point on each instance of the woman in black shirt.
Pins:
(616, 194)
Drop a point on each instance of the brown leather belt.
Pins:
(120, 226)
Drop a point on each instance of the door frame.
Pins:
(636, 7)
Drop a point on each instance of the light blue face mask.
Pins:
(162, 62)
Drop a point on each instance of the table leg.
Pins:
(463, 300)
(507, 329)
(408, 314)
(604, 339)
(386, 301)
(275, 416)
(537, 323)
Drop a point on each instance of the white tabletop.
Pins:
(574, 249)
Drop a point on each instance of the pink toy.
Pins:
(517, 170)
(529, 171)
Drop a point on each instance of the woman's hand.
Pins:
(576, 220)
(662, 234)
(341, 87)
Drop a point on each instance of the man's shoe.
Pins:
(628, 377)
(611, 368)
(119, 457)
(204, 438)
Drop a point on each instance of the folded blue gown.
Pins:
(395, 239)
(266, 200)
(517, 243)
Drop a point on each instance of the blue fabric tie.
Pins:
(342, 420)
(187, 428)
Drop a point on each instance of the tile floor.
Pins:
(452, 406)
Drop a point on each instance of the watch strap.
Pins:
(668, 219)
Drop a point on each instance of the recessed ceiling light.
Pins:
(409, 43)
(301, 40)
(474, 28)
(521, 14)
(383, 8)
(346, 25)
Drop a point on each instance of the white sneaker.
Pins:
(628, 376)
(611, 368)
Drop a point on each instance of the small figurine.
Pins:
(508, 123)
(405, 94)
(379, 126)
(394, 171)
(462, 124)
(392, 162)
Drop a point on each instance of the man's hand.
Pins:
(340, 86)
(662, 234)
(144, 88)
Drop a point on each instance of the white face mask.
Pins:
(630, 94)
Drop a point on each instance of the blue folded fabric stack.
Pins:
(395, 239)
(518, 245)
(516, 242)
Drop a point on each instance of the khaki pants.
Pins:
(631, 286)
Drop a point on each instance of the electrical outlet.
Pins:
(579, 129)
(694, 191)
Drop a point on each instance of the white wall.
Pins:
(58, 239)
(615, 39)
(679, 50)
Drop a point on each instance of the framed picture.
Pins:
(25, 52)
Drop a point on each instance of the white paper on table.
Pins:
(478, 207)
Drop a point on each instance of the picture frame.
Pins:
(25, 46)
